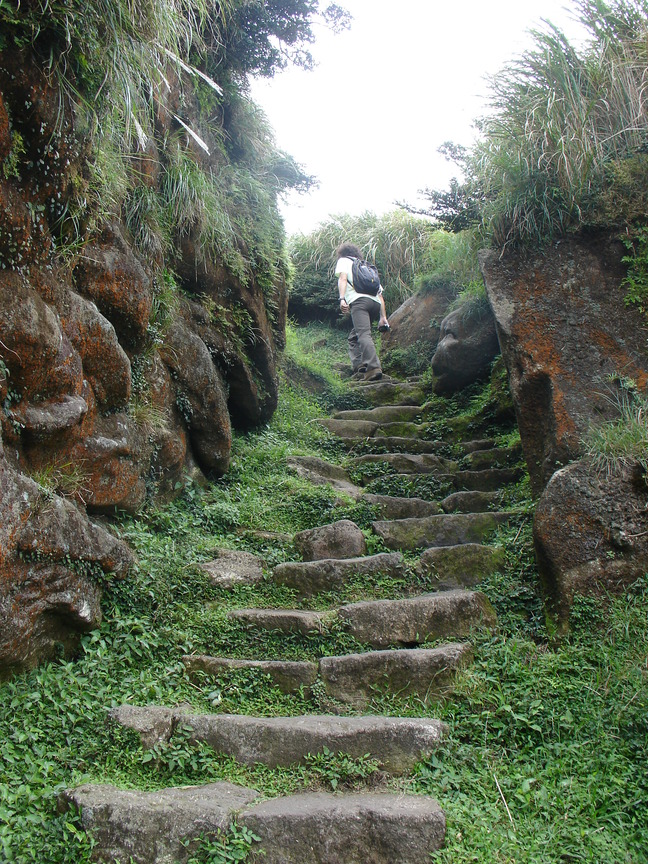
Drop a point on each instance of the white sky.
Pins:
(411, 70)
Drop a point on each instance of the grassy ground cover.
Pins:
(548, 744)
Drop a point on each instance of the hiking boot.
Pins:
(359, 374)
(373, 375)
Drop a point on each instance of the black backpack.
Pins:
(365, 277)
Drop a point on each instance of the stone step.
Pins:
(478, 444)
(392, 507)
(463, 566)
(341, 539)
(152, 827)
(381, 623)
(391, 393)
(289, 676)
(312, 577)
(469, 502)
(383, 414)
(397, 743)
(308, 828)
(494, 457)
(354, 429)
(408, 463)
(302, 622)
(358, 828)
(320, 472)
(428, 673)
(402, 430)
(398, 444)
(448, 529)
(488, 480)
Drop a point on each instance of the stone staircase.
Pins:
(414, 645)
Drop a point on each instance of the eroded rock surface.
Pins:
(565, 331)
(591, 534)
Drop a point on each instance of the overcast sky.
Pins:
(386, 94)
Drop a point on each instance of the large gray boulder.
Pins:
(590, 534)
(466, 349)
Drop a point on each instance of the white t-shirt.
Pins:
(345, 265)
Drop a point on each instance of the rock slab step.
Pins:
(166, 827)
(381, 623)
(288, 675)
(355, 679)
(150, 827)
(396, 742)
(448, 567)
(298, 621)
(313, 577)
(448, 529)
(320, 828)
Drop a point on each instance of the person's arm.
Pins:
(342, 287)
(383, 312)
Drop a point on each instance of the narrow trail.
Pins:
(446, 539)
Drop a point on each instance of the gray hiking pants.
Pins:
(362, 350)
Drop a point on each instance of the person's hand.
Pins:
(344, 306)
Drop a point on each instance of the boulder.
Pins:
(565, 331)
(590, 534)
(466, 349)
(105, 363)
(200, 397)
(52, 559)
(414, 329)
(109, 274)
(342, 539)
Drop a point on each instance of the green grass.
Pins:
(548, 744)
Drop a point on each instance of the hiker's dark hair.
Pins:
(348, 250)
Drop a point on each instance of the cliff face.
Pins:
(571, 346)
(117, 380)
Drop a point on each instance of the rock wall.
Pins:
(103, 404)
(569, 343)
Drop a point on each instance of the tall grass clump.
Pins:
(622, 443)
(568, 133)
